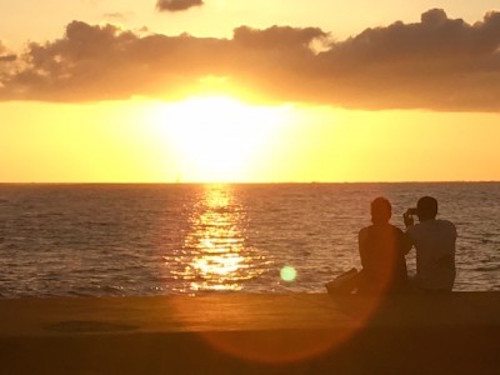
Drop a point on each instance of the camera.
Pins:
(408, 216)
(412, 212)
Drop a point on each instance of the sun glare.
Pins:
(217, 138)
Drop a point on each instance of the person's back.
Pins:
(382, 258)
(381, 249)
(434, 241)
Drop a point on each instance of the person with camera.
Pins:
(434, 241)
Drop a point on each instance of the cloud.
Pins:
(438, 63)
(115, 16)
(5, 55)
(277, 37)
(8, 58)
(177, 5)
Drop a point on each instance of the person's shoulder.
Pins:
(447, 224)
(366, 232)
(396, 229)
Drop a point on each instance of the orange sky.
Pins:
(291, 95)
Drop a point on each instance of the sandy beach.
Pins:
(289, 334)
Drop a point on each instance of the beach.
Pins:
(251, 334)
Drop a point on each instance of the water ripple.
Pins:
(92, 240)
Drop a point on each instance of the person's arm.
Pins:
(362, 246)
(407, 241)
(408, 219)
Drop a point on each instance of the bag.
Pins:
(345, 283)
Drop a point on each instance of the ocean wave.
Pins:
(494, 267)
(140, 241)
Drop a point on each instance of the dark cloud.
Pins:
(3, 49)
(8, 58)
(177, 5)
(438, 64)
(5, 55)
(6, 61)
(277, 37)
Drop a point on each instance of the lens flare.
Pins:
(288, 274)
(277, 328)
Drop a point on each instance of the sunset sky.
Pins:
(249, 91)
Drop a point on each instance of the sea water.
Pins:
(124, 240)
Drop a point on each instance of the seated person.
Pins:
(434, 241)
(382, 248)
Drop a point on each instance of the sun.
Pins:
(218, 138)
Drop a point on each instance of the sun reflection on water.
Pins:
(215, 256)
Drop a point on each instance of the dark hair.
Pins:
(381, 210)
(427, 208)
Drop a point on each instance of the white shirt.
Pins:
(434, 241)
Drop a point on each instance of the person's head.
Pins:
(381, 210)
(427, 208)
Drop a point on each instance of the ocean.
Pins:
(138, 240)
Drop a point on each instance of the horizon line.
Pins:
(245, 183)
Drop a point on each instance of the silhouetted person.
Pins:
(382, 248)
(434, 241)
